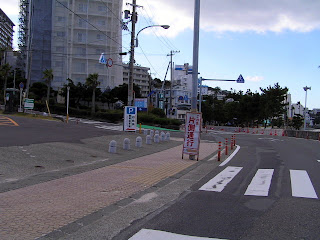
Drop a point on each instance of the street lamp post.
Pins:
(68, 89)
(131, 63)
(163, 26)
(305, 106)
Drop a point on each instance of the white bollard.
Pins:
(126, 144)
(167, 136)
(145, 131)
(156, 138)
(148, 139)
(162, 137)
(151, 133)
(113, 147)
(139, 142)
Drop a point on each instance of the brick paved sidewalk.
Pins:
(37, 210)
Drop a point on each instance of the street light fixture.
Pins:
(131, 63)
(163, 26)
(305, 106)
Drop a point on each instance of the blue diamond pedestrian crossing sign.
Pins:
(102, 59)
(240, 79)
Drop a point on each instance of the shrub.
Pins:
(159, 112)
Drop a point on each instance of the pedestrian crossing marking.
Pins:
(148, 234)
(220, 181)
(260, 183)
(301, 184)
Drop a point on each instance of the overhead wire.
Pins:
(91, 24)
(170, 44)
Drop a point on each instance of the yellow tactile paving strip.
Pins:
(5, 121)
(34, 211)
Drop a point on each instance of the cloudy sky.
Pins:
(265, 41)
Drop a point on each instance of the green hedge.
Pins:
(60, 109)
(151, 119)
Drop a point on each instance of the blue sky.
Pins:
(265, 41)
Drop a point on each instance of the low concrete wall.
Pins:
(303, 134)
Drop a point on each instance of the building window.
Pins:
(82, 22)
(83, 7)
(102, 8)
(99, 37)
(60, 19)
(61, 34)
(81, 52)
(81, 37)
(101, 22)
(58, 63)
(60, 49)
(81, 67)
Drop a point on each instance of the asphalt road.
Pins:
(259, 194)
(34, 150)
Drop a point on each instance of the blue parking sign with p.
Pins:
(131, 110)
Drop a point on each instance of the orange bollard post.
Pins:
(226, 146)
(231, 143)
(234, 140)
(219, 152)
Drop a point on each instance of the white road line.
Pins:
(230, 157)
(116, 128)
(260, 183)
(148, 234)
(219, 182)
(301, 184)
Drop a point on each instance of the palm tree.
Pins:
(92, 82)
(48, 77)
(4, 71)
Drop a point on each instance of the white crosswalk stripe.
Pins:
(115, 128)
(219, 182)
(260, 184)
(301, 184)
(148, 234)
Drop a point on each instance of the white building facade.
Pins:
(69, 36)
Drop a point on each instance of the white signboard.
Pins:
(191, 143)
(28, 103)
(130, 118)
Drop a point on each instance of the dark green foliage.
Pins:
(247, 109)
(154, 120)
(159, 112)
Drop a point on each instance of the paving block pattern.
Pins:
(34, 211)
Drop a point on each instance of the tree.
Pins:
(273, 101)
(121, 92)
(297, 122)
(48, 77)
(5, 70)
(93, 82)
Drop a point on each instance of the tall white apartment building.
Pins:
(68, 36)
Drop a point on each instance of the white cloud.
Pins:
(236, 16)
(10, 7)
(253, 78)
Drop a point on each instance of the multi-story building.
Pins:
(68, 36)
(141, 77)
(6, 35)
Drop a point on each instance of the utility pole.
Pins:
(171, 79)
(195, 56)
(131, 63)
(305, 107)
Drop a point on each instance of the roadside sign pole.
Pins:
(20, 108)
(68, 89)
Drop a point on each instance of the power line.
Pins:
(170, 44)
(90, 24)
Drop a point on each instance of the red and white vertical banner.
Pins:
(191, 143)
